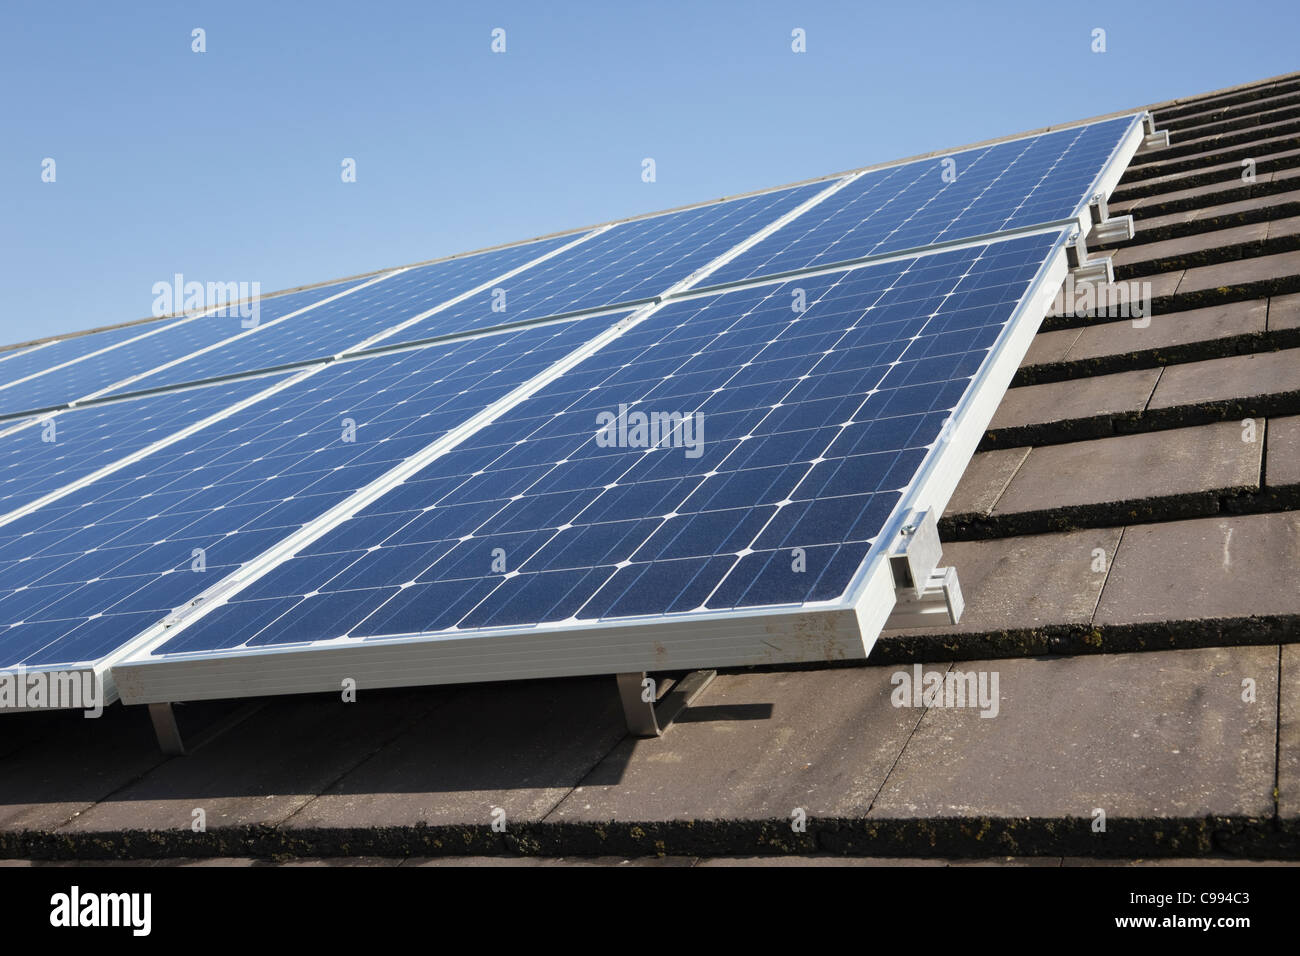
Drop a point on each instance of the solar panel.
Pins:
(1011, 185)
(150, 345)
(47, 453)
(816, 422)
(336, 326)
(12, 352)
(690, 439)
(42, 359)
(629, 263)
(86, 573)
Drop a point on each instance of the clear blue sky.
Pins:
(225, 165)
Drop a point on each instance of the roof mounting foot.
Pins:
(1152, 139)
(1119, 229)
(1105, 228)
(926, 594)
(166, 729)
(648, 716)
(1082, 268)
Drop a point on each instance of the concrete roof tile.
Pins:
(1082, 299)
(1283, 452)
(1205, 458)
(79, 762)
(1234, 377)
(1288, 734)
(1050, 346)
(264, 770)
(1284, 312)
(1278, 228)
(1239, 272)
(1222, 210)
(756, 747)
(1156, 735)
(984, 480)
(1187, 245)
(518, 746)
(1167, 330)
(1029, 581)
(1079, 398)
(1266, 161)
(1223, 567)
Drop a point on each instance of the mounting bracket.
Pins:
(1152, 139)
(1106, 228)
(1118, 229)
(1083, 269)
(926, 594)
(651, 717)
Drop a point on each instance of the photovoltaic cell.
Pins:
(59, 450)
(336, 326)
(633, 261)
(172, 339)
(819, 398)
(85, 574)
(1024, 182)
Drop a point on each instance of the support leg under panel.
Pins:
(166, 729)
(649, 718)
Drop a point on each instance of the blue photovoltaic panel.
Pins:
(630, 262)
(330, 329)
(15, 352)
(174, 339)
(37, 360)
(59, 450)
(1024, 182)
(85, 574)
(814, 423)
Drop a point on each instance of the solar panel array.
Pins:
(151, 345)
(435, 450)
(986, 190)
(102, 562)
(815, 422)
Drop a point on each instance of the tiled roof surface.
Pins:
(1128, 542)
